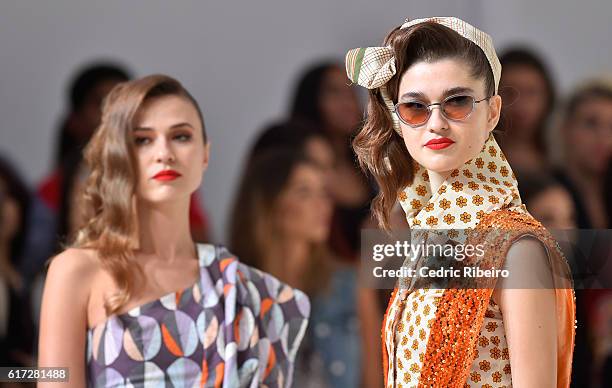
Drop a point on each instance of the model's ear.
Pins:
(495, 104)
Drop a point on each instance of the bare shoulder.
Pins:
(63, 316)
(528, 263)
(75, 261)
(73, 269)
(527, 245)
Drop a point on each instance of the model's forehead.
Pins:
(166, 111)
(432, 79)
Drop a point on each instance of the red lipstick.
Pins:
(166, 175)
(439, 143)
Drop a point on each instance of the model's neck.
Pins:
(436, 179)
(163, 230)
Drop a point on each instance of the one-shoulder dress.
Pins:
(236, 327)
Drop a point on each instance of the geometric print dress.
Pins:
(236, 327)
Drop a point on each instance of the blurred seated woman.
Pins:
(586, 133)
(298, 135)
(529, 95)
(324, 98)
(135, 301)
(16, 327)
(280, 223)
(547, 200)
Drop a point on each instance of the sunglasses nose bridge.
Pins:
(436, 122)
(438, 105)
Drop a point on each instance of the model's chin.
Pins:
(163, 195)
(441, 163)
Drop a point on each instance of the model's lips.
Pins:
(439, 143)
(166, 175)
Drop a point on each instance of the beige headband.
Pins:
(373, 67)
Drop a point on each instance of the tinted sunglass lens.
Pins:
(458, 107)
(413, 113)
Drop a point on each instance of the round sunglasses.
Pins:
(457, 107)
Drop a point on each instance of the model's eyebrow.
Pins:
(177, 125)
(181, 125)
(446, 93)
(416, 95)
(457, 90)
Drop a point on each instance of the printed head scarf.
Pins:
(483, 184)
(373, 67)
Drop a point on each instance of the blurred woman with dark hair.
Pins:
(298, 135)
(281, 218)
(586, 130)
(280, 223)
(529, 95)
(325, 100)
(16, 327)
(84, 95)
(71, 215)
(84, 98)
(547, 200)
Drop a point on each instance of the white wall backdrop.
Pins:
(240, 58)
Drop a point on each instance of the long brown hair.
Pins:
(379, 148)
(109, 194)
(252, 230)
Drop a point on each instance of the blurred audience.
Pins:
(70, 218)
(528, 92)
(586, 131)
(578, 195)
(547, 200)
(85, 95)
(281, 223)
(281, 218)
(324, 99)
(297, 135)
(71, 214)
(84, 98)
(16, 326)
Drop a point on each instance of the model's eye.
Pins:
(141, 140)
(459, 101)
(183, 137)
(416, 106)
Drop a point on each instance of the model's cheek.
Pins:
(413, 146)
